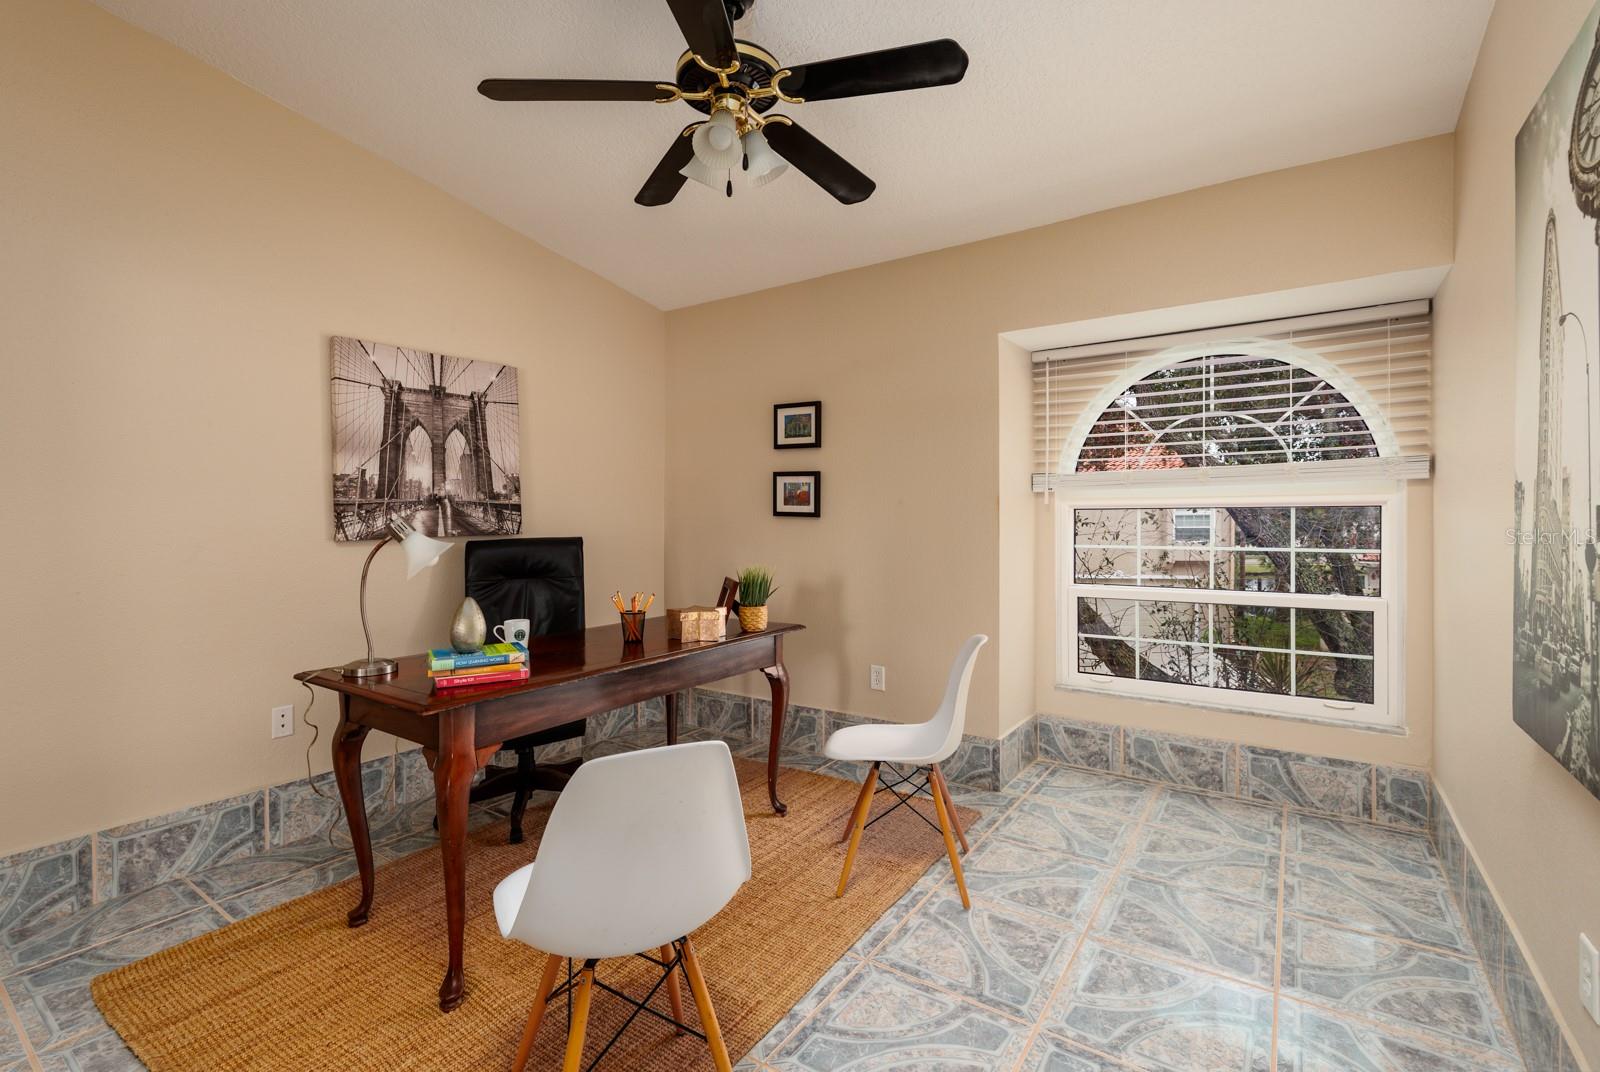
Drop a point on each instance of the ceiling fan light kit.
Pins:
(736, 84)
(713, 178)
(716, 142)
(762, 165)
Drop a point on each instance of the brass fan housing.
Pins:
(700, 85)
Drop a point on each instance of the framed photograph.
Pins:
(797, 494)
(423, 436)
(796, 425)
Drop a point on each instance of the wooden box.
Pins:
(697, 623)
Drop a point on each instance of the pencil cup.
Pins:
(633, 627)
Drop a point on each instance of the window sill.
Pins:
(1336, 723)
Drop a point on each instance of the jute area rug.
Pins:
(294, 989)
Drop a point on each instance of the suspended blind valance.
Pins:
(1333, 394)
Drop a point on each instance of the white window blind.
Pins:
(1333, 394)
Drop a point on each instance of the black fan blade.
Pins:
(707, 29)
(665, 181)
(569, 89)
(819, 163)
(932, 63)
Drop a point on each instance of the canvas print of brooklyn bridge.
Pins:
(426, 437)
(1556, 652)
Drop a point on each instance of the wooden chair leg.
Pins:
(708, 1015)
(868, 788)
(857, 825)
(552, 967)
(949, 840)
(580, 1019)
(955, 820)
(674, 994)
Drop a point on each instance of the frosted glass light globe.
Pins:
(765, 163)
(723, 132)
(716, 142)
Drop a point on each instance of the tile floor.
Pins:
(1115, 925)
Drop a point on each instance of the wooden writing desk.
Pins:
(573, 677)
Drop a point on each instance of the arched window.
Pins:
(1229, 511)
(1257, 598)
(1224, 409)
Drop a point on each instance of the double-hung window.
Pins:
(1279, 608)
(1230, 511)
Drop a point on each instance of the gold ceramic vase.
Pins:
(752, 619)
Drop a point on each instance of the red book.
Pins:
(458, 680)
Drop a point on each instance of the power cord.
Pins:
(315, 732)
(311, 780)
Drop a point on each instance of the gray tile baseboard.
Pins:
(1377, 793)
(73, 875)
(1528, 1010)
(59, 880)
(126, 875)
(1386, 795)
(140, 855)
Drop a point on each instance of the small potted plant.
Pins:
(755, 588)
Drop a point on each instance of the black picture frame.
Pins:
(783, 410)
(811, 509)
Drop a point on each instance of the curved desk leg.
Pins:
(778, 679)
(452, 787)
(669, 704)
(347, 773)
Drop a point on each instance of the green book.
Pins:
(444, 659)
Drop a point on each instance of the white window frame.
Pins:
(1385, 713)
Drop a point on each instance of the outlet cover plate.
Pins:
(877, 680)
(283, 721)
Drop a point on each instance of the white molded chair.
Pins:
(921, 747)
(641, 849)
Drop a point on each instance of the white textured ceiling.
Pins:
(1069, 107)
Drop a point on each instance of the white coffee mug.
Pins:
(514, 631)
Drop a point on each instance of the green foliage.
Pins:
(1273, 669)
(1262, 630)
(755, 586)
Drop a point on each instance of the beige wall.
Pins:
(179, 249)
(920, 534)
(188, 247)
(1535, 830)
(177, 252)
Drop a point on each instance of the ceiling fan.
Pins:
(737, 83)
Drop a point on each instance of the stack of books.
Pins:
(496, 664)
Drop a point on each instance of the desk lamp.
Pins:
(421, 552)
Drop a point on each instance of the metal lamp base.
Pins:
(366, 668)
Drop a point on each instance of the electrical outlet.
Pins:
(283, 721)
(877, 680)
(1589, 976)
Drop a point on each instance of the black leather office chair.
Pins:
(540, 579)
